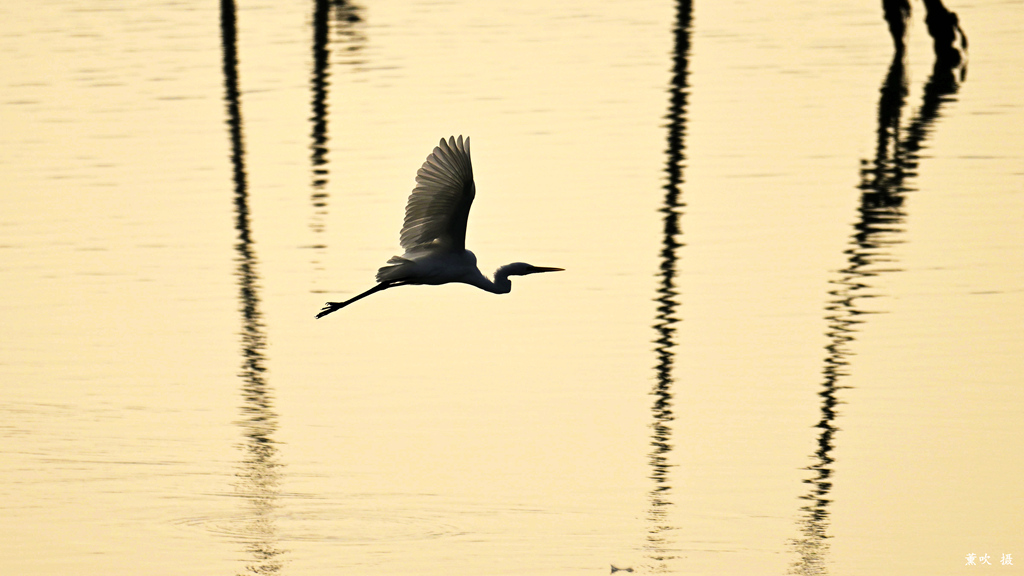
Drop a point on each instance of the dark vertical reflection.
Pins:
(659, 546)
(879, 226)
(948, 38)
(321, 61)
(346, 17)
(896, 13)
(944, 28)
(259, 474)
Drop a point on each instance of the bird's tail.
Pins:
(396, 269)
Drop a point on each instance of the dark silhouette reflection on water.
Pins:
(660, 548)
(346, 18)
(948, 38)
(321, 61)
(884, 183)
(259, 474)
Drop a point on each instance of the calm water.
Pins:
(788, 340)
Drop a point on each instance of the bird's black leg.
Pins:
(335, 306)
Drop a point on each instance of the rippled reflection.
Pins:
(659, 546)
(884, 182)
(321, 61)
(259, 474)
(948, 38)
(346, 19)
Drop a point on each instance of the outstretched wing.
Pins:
(438, 207)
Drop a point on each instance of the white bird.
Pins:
(434, 233)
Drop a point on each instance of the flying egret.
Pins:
(434, 233)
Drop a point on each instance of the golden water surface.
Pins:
(787, 340)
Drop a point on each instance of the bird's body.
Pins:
(434, 232)
(431, 267)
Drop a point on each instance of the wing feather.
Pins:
(439, 205)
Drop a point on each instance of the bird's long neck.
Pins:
(500, 285)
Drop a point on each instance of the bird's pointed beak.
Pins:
(546, 269)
